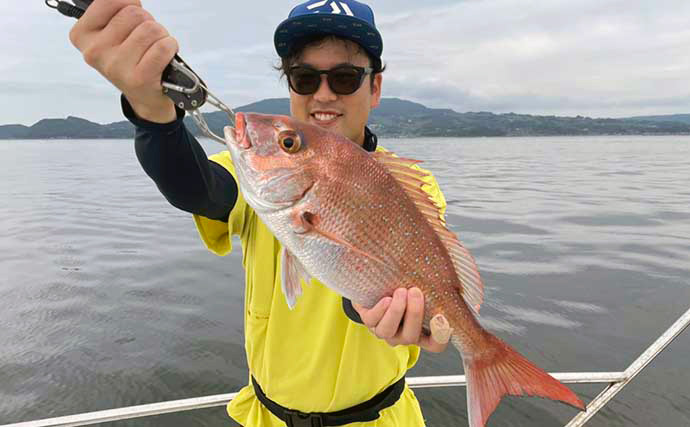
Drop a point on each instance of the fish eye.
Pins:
(290, 142)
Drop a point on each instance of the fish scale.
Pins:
(384, 234)
(362, 225)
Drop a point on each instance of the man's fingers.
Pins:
(414, 316)
(440, 335)
(140, 41)
(372, 316)
(157, 57)
(127, 21)
(100, 12)
(399, 320)
(440, 329)
(122, 44)
(128, 47)
(96, 45)
(390, 322)
(428, 344)
(97, 16)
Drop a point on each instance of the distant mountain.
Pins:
(680, 118)
(69, 128)
(13, 131)
(267, 106)
(393, 118)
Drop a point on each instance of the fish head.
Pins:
(273, 160)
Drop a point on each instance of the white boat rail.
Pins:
(615, 380)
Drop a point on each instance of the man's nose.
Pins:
(324, 92)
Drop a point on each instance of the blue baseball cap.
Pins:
(348, 19)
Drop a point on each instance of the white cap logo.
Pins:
(334, 7)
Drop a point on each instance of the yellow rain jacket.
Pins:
(312, 358)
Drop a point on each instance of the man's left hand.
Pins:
(398, 320)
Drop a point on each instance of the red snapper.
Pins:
(361, 224)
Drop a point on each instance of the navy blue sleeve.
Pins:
(177, 163)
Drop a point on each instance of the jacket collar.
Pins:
(370, 140)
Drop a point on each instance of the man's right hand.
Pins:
(128, 47)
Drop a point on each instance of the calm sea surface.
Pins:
(109, 299)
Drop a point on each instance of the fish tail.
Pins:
(497, 370)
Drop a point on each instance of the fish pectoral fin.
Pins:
(292, 272)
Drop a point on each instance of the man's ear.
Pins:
(376, 90)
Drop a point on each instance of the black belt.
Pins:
(367, 411)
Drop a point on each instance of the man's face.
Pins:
(344, 114)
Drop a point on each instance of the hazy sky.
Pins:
(598, 58)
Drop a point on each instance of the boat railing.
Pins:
(615, 382)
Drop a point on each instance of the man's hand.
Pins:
(128, 47)
(398, 320)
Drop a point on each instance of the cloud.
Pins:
(601, 57)
(590, 57)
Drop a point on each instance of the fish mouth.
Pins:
(241, 131)
(237, 136)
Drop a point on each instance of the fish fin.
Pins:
(500, 370)
(292, 272)
(467, 271)
(412, 181)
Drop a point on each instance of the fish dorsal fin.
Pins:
(411, 180)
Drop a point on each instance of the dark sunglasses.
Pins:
(343, 79)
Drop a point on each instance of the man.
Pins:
(316, 364)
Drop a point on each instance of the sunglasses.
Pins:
(343, 79)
